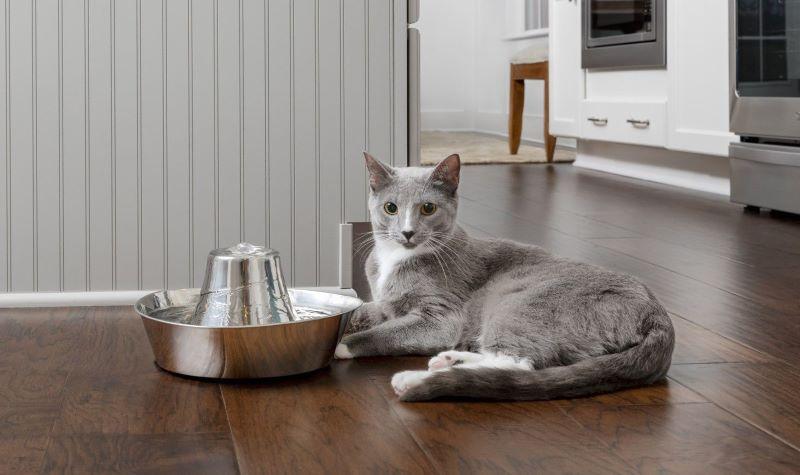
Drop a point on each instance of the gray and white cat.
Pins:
(506, 320)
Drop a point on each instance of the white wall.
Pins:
(447, 63)
(465, 63)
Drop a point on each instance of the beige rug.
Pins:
(477, 148)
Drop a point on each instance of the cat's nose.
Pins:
(407, 234)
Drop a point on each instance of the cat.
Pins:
(505, 320)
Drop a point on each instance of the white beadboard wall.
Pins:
(137, 135)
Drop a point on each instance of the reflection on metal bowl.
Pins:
(240, 352)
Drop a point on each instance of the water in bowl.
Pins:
(184, 315)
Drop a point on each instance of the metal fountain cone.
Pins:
(243, 286)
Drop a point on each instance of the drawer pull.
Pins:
(598, 121)
(639, 124)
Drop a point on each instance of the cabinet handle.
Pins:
(639, 124)
(598, 121)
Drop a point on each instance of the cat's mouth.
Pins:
(408, 245)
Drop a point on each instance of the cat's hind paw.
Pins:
(447, 359)
(405, 380)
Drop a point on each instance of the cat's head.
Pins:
(414, 207)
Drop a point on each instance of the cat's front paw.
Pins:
(405, 380)
(361, 319)
(342, 352)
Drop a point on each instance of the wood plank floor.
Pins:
(79, 392)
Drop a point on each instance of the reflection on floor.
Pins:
(482, 148)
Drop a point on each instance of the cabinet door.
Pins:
(566, 75)
(698, 60)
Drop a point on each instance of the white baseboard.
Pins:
(706, 173)
(495, 123)
(102, 299)
(489, 123)
(71, 299)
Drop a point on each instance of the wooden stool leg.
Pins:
(515, 107)
(549, 140)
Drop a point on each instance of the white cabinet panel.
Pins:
(631, 85)
(640, 123)
(566, 75)
(699, 68)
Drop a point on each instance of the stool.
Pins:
(530, 63)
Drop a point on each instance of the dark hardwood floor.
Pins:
(79, 392)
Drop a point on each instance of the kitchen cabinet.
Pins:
(683, 108)
(698, 65)
(640, 123)
(566, 75)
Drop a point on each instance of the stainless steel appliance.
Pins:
(624, 33)
(765, 103)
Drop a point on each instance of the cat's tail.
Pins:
(638, 365)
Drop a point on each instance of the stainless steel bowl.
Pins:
(250, 351)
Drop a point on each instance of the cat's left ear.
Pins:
(447, 173)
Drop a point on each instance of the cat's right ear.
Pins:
(380, 174)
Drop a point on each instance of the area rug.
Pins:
(476, 148)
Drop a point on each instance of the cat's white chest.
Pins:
(387, 260)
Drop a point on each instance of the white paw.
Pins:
(405, 380)
(342, 352)
(447, 359)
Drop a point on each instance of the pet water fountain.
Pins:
(244, 322)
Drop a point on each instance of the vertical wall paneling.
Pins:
(229, 106)
(127, 153)
(355, 106)
(22, 148)
(281, 181)
(151, 143)
(5, 176)
(253, 58)
(330, 114)
(137, 135)
(100, 181)
(380, 76)
(305, 148)
(177, 123)
(74, 145)
(204, 132)
(47, 136)
(400, 86)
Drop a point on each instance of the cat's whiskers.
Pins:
(445, 247)
(458, 262)
(364, 241)
(435, 254)
(439, 248)
(446, 255)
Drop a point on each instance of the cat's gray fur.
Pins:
(581, 329)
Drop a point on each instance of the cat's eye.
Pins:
(390, 208)
(427, 209)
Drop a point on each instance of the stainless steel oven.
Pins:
(624, 33)
(766, 100)
(765, 103)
